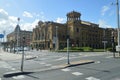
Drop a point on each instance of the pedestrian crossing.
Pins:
(46, 59)
(79, 74)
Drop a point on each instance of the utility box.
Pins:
(118, 48)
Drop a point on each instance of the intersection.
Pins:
(45, 65)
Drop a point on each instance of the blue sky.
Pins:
(31, 11)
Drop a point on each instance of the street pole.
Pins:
(18, 35)
(113, 44)
(68, 50)
(117, 12)
(4, 40)
(22, 61)
(56, 44)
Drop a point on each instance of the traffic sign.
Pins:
(1, 35)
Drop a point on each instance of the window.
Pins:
(77, 30)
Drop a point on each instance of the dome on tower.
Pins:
(73, 16)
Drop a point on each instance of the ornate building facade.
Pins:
(16, 37)
(51, 35)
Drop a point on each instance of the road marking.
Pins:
(97, 62)
(13, 69)
(0, 78)
(19, 77)
(48, 64)
(80, 54)
(109, 56)
(77, 73)
(92, 78)
(42, 63)
(54, 66)
(62, 58)
(66, 69)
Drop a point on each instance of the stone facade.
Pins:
(52, 35)
(18, 34)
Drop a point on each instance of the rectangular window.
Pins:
(77, 30)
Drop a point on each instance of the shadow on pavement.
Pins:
(11, 74)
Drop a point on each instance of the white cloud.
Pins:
(40, 16)
(7, 22)
(60, 20)
(104, 10)
(29, 26)
(3, 14)
(27, 14)
(103, 24)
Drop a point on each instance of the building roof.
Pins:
(17, 28)
(73, 13)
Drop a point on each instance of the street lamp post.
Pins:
(68, 59)
(18, 35)
(117, 12)
(56, 42)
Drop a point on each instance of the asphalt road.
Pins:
(105, 67)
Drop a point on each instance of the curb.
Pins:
(73, 64)
(17, 73)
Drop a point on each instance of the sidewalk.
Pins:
(11, 56)
(25, 72)
(62, 66)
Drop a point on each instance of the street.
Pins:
(44, 65)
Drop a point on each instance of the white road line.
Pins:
(66, 69)
(42, 63)
(62, 58)
(13, 69)
(19, 77)
(77, 73)
(0, 79)
(109, 56)
(97, 62)
(92, 78)
(48, 64)
(54, 66)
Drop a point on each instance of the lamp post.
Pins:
(117, 12)
(68, 60)
(56, 42)
(18, 35)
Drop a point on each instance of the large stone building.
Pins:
(51, 35)
(16, 37)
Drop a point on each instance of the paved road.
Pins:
(105, 67)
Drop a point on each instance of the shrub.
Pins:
(87, 48)
(74, 48)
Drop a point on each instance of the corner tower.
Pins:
(73, 26)
(73, 16)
